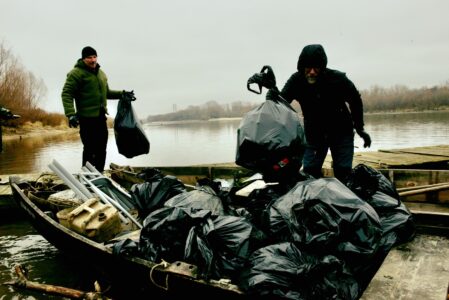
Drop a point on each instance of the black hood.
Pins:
(312, 56)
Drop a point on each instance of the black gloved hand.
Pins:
(366, 138)
(73, 121)
(272, 94)
(265, 79)
(128, 95)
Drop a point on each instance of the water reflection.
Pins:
(212, 142)
(30, 154)
(21, 244)
(391, 131)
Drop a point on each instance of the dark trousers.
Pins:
(342, 152)
(94, 135)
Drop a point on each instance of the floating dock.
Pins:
(429, 157)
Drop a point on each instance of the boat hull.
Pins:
(129, 277)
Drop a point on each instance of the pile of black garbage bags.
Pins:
(303, 239)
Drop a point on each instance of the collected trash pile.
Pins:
(280, 233)
(316, 239)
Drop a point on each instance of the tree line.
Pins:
(375, 100)
(22, 92)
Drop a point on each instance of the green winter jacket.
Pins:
(90, 90)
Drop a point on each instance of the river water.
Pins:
(211, 142)
(171, 145)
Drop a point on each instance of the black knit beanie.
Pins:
(88, 51)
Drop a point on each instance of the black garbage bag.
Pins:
(153, 193)
(397, 221)
(365, 181)
(270, 138)
(326, 217)
(165, 231)
(198, 200)
(126, 247)
(130, 137)
(282, 271)
(220, 246)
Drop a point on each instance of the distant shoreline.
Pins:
(157, 123)
(46, 131)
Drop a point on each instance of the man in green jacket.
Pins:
(84, 97)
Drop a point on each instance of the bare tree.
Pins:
(20, 90)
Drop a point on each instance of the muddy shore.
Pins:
(30, 132)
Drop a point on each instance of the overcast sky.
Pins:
(188, 52)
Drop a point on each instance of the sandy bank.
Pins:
(30, 132)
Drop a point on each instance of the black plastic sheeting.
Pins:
(317, 239)
(130, 137)
(270, 140)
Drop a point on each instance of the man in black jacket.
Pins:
(324, 96)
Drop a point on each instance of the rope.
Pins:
(164, 264)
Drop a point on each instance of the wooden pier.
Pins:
(430, 157)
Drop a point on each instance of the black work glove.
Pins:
(128, 95)
(73, 121)
(272, 94)
(366, 138)
(264, 79)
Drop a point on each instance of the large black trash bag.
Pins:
(165, 231)
(153, 193)
(397, 221)
(126, 247)
(324, 215)
(270, 138)
(282, 271)
(220, 246)
(130, 137)
(398, 226)
(366, 181)
(196, 200)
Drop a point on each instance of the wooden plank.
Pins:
(397, 160)
(439, 150)
(430, 157)
(416, 270)
(428, 208)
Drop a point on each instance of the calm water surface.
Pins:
(181, 144)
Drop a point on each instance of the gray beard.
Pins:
(311, 80)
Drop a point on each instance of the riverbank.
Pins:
(35, 130)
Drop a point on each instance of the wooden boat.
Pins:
(425, 191)
(132, 277)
